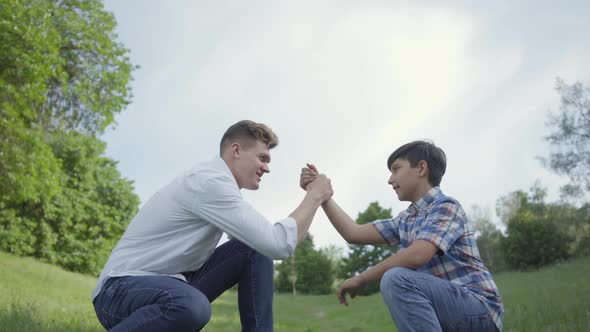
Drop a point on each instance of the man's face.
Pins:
(251, 165)
(404, 179)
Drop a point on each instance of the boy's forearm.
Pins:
(376, 272)
(413, 257)
(340, 220)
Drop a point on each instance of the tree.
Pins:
(575, 223)
(570, 138)
(533, 236)
(361, 257)
(61, 67)
(63, 78)
(308, 271)
(488, 238)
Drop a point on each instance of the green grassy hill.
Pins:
(38, 297)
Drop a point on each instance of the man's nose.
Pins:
(265, 168)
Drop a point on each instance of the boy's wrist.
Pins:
(360, 278)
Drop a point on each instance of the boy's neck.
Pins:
(421, 191)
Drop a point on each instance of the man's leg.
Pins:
(151, 303)
(421, 302)
(234, 262)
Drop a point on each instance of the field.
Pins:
(39, 297)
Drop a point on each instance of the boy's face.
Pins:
(407, 181)
(251, 165)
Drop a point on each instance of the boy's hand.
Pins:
(320, 188)
(350, 286)
(308, 174)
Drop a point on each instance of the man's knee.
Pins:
(195, 311)
(263, 262)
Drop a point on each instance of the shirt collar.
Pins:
(220, 164)
(423, 202)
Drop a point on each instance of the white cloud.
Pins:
(343, 84)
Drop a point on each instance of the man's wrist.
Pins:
(315, 197)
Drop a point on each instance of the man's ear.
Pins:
(422, 168)
(235, 150)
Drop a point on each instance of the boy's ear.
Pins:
(422, 168)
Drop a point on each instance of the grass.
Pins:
(39, 297)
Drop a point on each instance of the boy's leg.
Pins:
(151, 303)
(234, 262)
(421, 302)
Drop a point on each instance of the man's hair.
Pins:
(416, 151)
(247, 133)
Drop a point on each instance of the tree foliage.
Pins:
(308, 271)
(63, 78)
(570, 137)
(60, 65)
(489, 239)
(534, 238)
(361, 257)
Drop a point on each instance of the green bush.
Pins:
(533, 241)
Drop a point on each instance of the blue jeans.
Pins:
(419, 301)
(160, 303)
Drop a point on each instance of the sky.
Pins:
(343, 84)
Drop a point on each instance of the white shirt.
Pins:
(180, 226)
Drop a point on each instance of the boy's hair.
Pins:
(248, 132)
(416, 151)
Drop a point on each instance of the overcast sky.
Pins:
(343, 84)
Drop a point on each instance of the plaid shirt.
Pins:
(440, 220)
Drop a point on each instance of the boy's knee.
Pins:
(394, 277)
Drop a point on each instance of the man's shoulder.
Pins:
(209, 177)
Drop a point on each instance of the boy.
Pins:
(437, 280)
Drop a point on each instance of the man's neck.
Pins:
(229, 162)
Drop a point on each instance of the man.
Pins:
(437, 281)
(165, 270)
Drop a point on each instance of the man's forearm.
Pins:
(304, 214)
(340, 220)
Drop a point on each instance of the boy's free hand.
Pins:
(350, 286)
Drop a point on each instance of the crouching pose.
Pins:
(437, 280)
(166, 270)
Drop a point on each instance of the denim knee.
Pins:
(263, 261)
(393, 278)
(195, 311)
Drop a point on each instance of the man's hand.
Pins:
(350, 286)
(308, 174)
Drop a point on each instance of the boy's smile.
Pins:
(409, 183)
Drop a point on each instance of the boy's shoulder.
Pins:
(443, 198)
(446, 200)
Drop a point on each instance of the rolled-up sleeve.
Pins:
(221, 204)
(389, 230)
